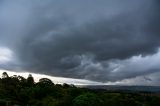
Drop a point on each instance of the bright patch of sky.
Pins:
(6, 55)
(56, 80)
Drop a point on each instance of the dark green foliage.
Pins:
(87, 99)
(30, 80)
(16, 90)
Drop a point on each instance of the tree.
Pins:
(66, 85)
(30, 80)
(49, 101)
(87, 99)
(45, 82)
(5, 75)
(21, 79)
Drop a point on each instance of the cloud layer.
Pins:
(97, 40)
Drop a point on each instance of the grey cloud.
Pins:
(120, 70)
(147, 78)
(80, 39)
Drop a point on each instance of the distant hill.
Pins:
(153, 89)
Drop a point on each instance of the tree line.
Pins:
(20, 91)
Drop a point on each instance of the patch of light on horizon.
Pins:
(56, 80)
(60, 80)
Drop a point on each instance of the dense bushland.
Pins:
(17, 90)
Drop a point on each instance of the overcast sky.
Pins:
(105, 41)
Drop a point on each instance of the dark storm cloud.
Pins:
(80, 39)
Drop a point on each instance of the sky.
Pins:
(94, 41)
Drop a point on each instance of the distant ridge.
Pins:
(154, 89)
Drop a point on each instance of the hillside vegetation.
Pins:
(20, 91)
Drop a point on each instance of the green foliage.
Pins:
(17, 90)
(30, 80)
(45, 82)
(87, 99)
